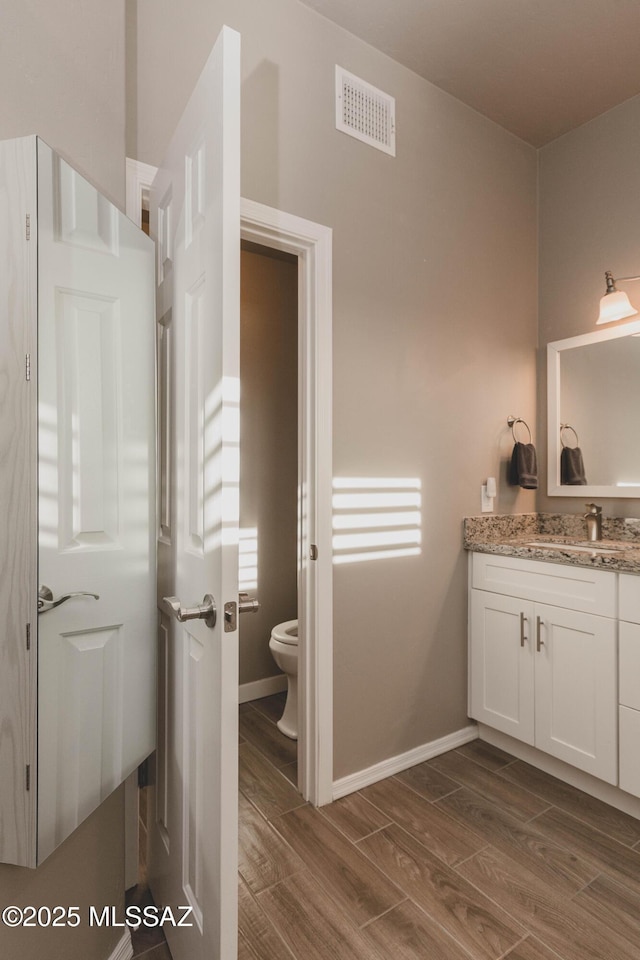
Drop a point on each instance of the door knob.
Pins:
(47, 602)
(203, 611)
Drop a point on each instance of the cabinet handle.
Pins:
(539, 640)
(523, 620)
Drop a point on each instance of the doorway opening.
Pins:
(268, 551)
(310, 244)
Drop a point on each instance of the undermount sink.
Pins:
(594, 547)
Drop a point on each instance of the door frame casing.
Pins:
(311, 243)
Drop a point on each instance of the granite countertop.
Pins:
(526, 536)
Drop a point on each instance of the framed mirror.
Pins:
(593, 393)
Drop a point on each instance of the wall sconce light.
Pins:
(615, 304)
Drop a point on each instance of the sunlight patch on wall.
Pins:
(376, 518)
(248, 559)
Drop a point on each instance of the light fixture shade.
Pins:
(615, 306)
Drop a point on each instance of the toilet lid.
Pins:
(286, 632)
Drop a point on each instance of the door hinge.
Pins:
(28, 636)
(28, 777)
(313, 551)
(28, 227)
(27, 366)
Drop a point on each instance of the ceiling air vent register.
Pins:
(364, 112)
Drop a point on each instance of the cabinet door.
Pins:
(501, 663)
(629, 723)
(576, 689)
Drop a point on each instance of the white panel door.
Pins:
(576, 690)
(96, 510)
(18, 331)
(195, 219)
(501, 663)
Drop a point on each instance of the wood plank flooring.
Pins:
(472, 856)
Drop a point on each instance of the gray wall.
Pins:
(589, 191)
(269, 448)
(62, 77)
(434, 301)
(87, 870)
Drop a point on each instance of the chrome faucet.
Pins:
(593, 517)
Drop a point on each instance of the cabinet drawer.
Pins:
(629, 597)
(629, 733)
(629, 658)
(576, 588)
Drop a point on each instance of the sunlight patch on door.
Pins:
(222, 464)
(230, 429)
(376, 518)
(47, 475)
(248, 559)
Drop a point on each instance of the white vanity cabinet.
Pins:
(543, 658)
(629, 661)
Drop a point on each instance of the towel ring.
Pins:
(567, 426)
(512, 421)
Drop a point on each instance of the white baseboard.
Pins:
(606, 792)
(262, 688)
(387, 768)
(124, 948)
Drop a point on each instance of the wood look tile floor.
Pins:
(471, 856)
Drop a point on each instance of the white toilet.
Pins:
(284, 647)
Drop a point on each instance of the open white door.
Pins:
(96, 456)
(195, 219)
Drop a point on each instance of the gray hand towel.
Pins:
(572, 467)
(523, 471)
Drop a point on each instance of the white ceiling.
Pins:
(537, 67)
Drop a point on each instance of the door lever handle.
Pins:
(203, 611)
(46, 600)
(247, 604)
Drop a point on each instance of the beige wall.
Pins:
(87, 870)
(589, 191)
(434, 323)
(269, 448)
(62, 77)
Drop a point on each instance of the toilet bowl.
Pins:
(284, 648)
